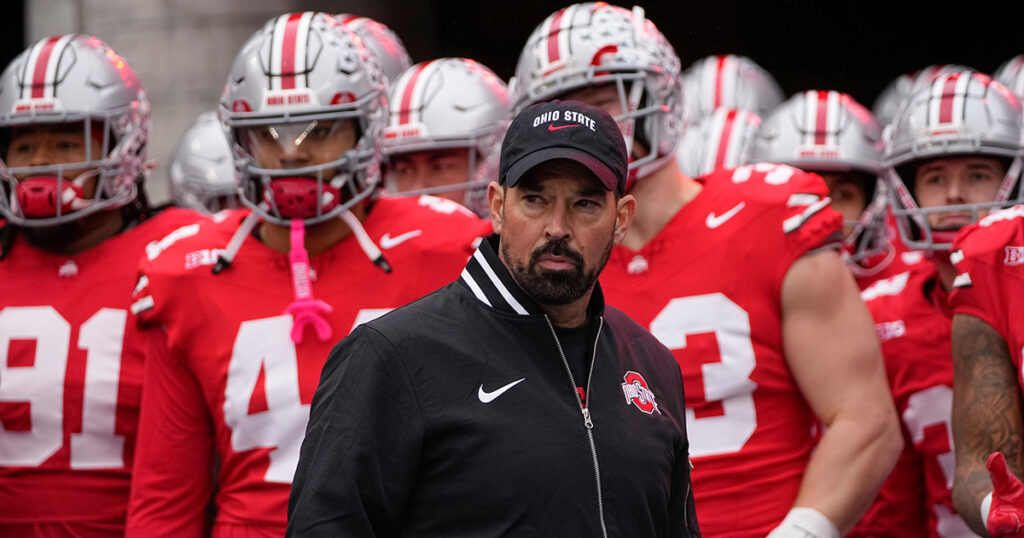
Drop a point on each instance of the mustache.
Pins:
(556, 248)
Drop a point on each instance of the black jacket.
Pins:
(456, 416)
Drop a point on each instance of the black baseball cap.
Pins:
(565, 130)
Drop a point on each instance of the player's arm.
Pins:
(986, 413)
(171, 480)
(365, 426)
(834, 355)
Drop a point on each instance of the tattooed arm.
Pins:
(986, 413)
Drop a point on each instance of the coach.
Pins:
(511, 401)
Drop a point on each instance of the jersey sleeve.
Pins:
(988, 256)
(354, 432)
(171, 484)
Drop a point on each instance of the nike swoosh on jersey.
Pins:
(714, 221)
(488, 397)
(386, 241)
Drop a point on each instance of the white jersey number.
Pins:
(727, 380)
(41, 385)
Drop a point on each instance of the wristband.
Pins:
(803, 522)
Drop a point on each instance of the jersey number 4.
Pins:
(41, 385)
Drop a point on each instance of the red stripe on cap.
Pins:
(723, 141)
(948, 94)
(821, 125)
(288, 49)
(39, 73)
(718, 80)
(403, 113)
(556, 24)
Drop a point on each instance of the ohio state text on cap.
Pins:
(565, 130)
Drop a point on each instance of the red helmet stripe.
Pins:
(821, 127)
(288, 50)
(553, 31)
(719, 75)
(347, 19)
(410, 87)
(39, 72)
(948, 95)
(723, 141)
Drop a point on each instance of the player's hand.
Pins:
(802, 522)
(1006, 517)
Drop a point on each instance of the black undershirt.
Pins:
(576, 344)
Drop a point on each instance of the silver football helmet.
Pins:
(829, 131)
(298, 86)
(721, 140)
(1011, 74)
(382, 42)
(730, 81)
(902, 87)
(594, 44)
(442, 104)
(80, 82)
(963, 113)
(202, 171)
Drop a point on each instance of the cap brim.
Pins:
(601, 171)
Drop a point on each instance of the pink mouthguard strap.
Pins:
(305, 309)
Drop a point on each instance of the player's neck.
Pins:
(659, 196)
(944, 268)
(319, 237)
(77, 236)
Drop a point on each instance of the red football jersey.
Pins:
(990, 280)
(232, 382)
(708, 286)
(913, 320)
(70, 376)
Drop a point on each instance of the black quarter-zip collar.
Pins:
(490, 282)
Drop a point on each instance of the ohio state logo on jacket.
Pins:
(634, 388)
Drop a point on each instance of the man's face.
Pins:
(297, 145)
(954, 181)
(605, 97)
(428, 169)
(848, 196)
(557, 229)
(53, 144)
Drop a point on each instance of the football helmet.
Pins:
(721, 140)
(962, 113)
(592, 44)
(301, 84)
(730, 81)
(80, 82)
(1011, 74)
(382, 42)
(829, 131)
(202, 172)
(446, 103)
(903, 86)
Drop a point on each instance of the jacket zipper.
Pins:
(587, 420)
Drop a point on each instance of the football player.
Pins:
(74, 126)
(988, 340)
(1011, 74)
(954, 151)
(202, 173)
(902, 87)
(447, 117)
(314, 255)
(736, 273)
(834, 136)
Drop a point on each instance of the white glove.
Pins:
(802, 522)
